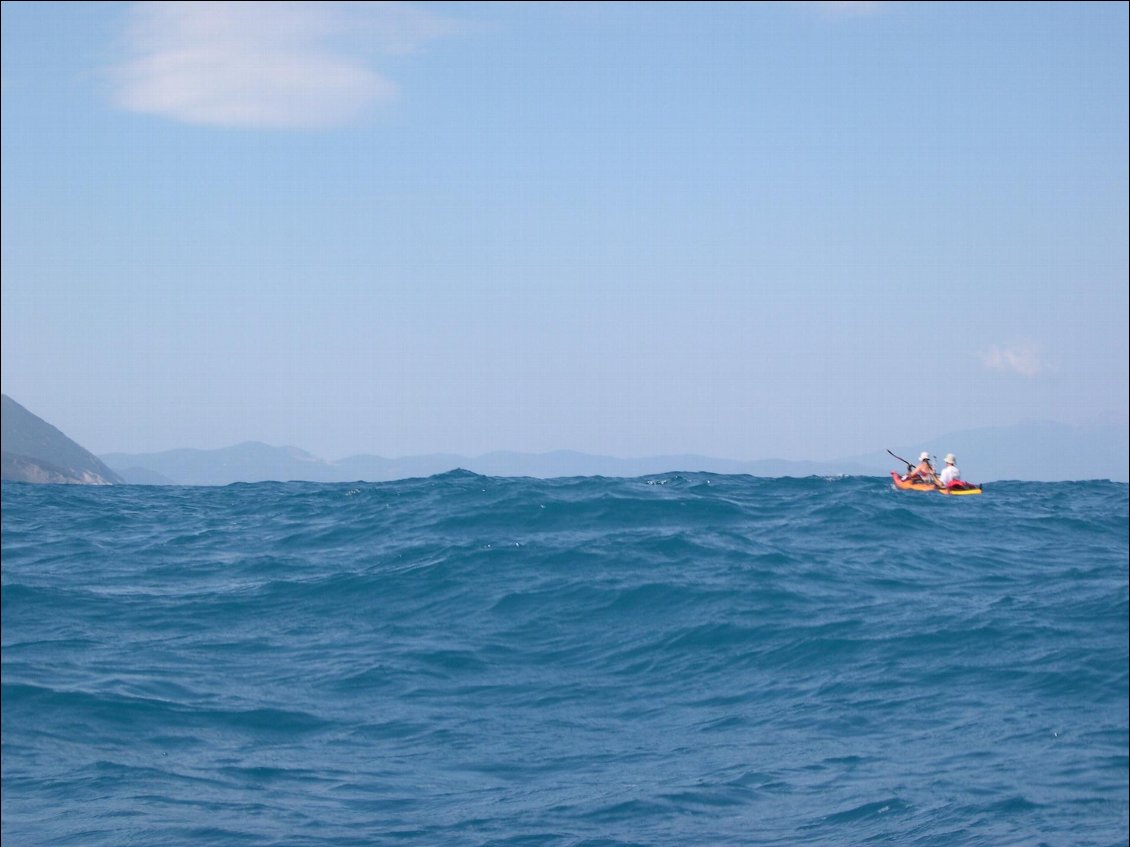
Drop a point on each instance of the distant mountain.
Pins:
(256, 462)
(35, 451)
(248, 462)
(1033, 451)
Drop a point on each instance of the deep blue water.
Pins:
(673, 660)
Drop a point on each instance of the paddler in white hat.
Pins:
(949, 473)
(923, 470)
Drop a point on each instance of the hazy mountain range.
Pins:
(35, 451)
(1034, 451)
(255, 462)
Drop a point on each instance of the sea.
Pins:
(671, 660)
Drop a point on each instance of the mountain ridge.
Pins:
(35, 451)
(258, 462)
(1060, 452)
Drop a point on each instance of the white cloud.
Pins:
(272, 65)
(1021, 359)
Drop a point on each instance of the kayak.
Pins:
(955, 490)
(911, 485)
(917, 485)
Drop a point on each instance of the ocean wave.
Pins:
(678, 658)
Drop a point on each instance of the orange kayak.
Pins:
(917, 485)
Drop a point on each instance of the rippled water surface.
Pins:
(463, 660)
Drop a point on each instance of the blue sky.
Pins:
(800, 230)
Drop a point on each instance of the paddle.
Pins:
(901, 459)
(909, 466)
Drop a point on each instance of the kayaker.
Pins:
(923, 470)
(949, 473)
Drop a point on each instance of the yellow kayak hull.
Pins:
(904, 485)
